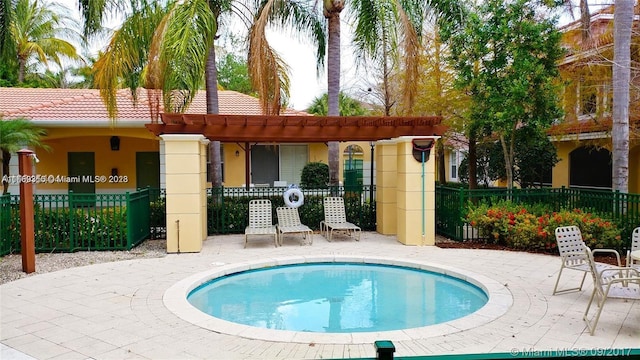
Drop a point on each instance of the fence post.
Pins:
(384, 349)
(27, 237)
(459, 222)
(130, 210)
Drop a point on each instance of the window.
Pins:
(453, 163)
(588, 98)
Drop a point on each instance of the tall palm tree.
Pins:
(331, 11)
(15, 134)
(381, 27)
(622, 23)
(38, 32)
(182, 50)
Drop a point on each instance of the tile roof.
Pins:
(85, 105)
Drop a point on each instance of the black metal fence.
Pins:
(228, 208)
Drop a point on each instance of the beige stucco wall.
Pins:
(386, 186)
(185, 174)
(560, 172)
(415, 195)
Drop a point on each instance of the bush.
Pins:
(315, 175)
(517, 227)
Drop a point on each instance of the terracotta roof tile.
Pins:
(86, 104)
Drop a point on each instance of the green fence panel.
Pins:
(138, 217)
(53, 223)
(9, 224)
(99, 221)
(451, 205)
(157, 214)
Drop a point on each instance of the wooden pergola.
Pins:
(296, 129)
(252, 129)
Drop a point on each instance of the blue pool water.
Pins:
(337, 298)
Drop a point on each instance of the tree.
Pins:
(183, 50)
(233, 74)
(376, 23)
(348, 106)
(36, 32)
(506, 59)
(622, 23)
(14, 135)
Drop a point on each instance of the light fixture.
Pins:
(237, 153)
(115, 143)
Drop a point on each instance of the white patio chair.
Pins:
(571, 248)
(614, 282)
(635, 246)
(289, 223)
(335, 219)
(260, 220)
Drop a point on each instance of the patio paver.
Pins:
(116, 310)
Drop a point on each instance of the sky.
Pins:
(306, 83)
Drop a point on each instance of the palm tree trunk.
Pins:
(622, 22)
(333, 83)
(211, 86)
(21, 70)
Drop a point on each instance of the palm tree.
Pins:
(331, 11)
(14, 135)
(380, 25)
(622, 23)
(36, 30)
(182, 50)
(348, 106)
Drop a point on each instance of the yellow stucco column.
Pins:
(386, 173)
(416, 209)
(185, 176)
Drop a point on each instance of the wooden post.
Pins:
(27, 238)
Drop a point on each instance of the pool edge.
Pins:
(499, 301)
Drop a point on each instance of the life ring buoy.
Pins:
(293, 198)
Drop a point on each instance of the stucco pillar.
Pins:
(416, 210)
(386, 173)
(186, 198)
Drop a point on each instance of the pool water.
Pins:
(338, 298)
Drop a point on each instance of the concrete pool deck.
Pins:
(117, 310)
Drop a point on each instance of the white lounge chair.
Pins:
(260, 220)
(289, 223)
(635, 246)
(571, 248)
(335, 219)
(614, 282)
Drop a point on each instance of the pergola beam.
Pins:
(296, 129)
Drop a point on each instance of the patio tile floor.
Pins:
(116, 310)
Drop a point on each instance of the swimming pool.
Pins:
(175, 300)
(338, 297)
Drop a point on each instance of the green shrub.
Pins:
(315, 175)
(517, 227)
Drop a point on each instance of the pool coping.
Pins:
(499, 301)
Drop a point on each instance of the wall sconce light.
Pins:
(115, 143)
(237, 153)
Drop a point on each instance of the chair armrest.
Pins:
(610, 251)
